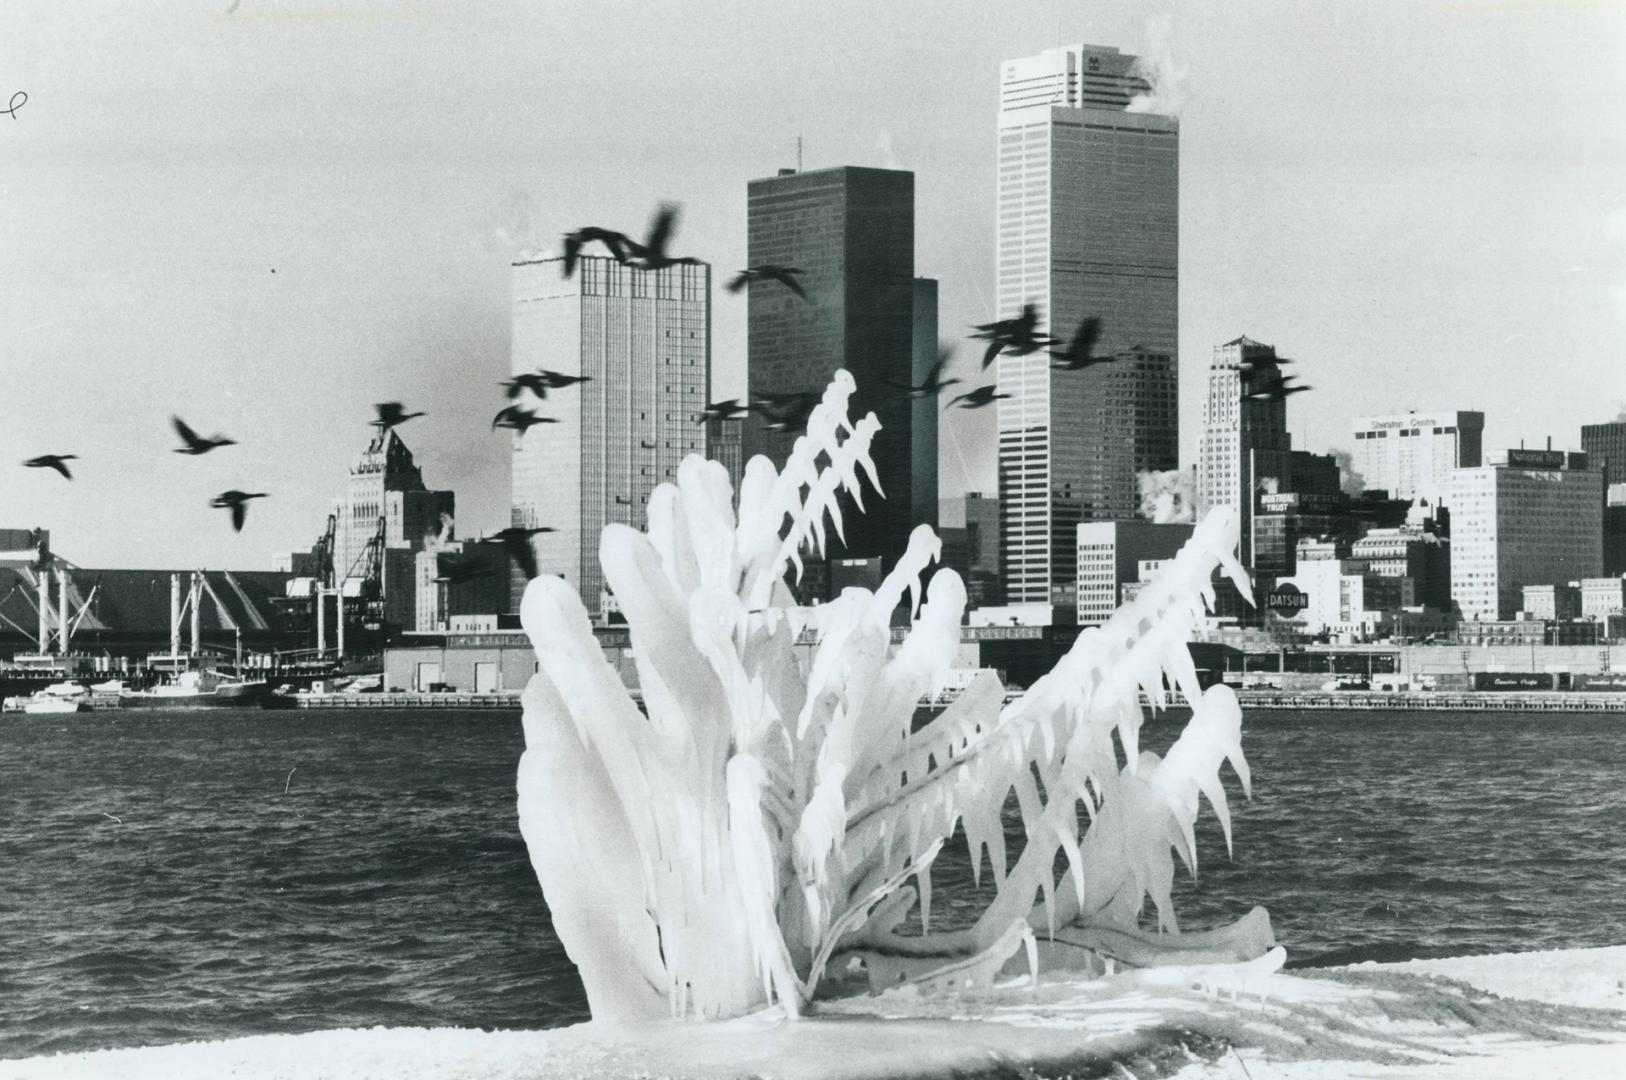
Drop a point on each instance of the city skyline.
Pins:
(311, 215)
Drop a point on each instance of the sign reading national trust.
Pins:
(1287, 600)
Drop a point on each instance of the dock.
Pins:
(509, 701)
(1434, 701)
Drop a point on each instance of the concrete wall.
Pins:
(1449, 659)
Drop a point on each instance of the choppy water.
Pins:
(389, 884)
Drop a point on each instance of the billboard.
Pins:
(1607, 681)
(1536, 459)
(1287, 600)
(1512, 680)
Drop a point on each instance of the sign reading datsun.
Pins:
(1287, 600)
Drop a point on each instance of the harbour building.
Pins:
(1087, 226)
(1530, 517)
(642, 338)
(1411, 456)
(851, 231)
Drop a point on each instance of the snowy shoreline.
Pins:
(1542, 1013)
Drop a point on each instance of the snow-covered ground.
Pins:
(1533, 1014)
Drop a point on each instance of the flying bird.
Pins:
(1264, 363)
(1276, 390)
(237, 502)
(518, 543)
(1079, 353)
(785, 412)
(534, 381)
(196, 444)
(517, 418)
(722, 410)
(616, 243)
(976, 399)
(651, 254)
(558, 380)
(1017, 335)
(785, 275)
(59, 462)
(391, 413)
(459, 572)
(933, 384)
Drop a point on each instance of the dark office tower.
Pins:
(1605, 447)
(851, 232)
(1088, 201)
(923, 421)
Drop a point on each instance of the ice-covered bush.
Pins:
(770, 809)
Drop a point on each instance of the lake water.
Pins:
(192, 876)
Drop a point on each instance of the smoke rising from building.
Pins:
(1351, 481)
(1157, 66)
(1167, 497)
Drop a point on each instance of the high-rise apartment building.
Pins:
(1605, 446)
(1088, 226)
(643, 340)
(1411, 456)
(1244, 440)
(923, 414)
(851, 231)
(1533, 518)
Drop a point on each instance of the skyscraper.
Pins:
(923, 418)
(382, 520)
(643, 339)
(1605, 447)
(1243, 441)
(1534, 517)
(1088, 226)
(851, 231)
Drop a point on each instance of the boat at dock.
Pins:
(197, 690)
(62, 697)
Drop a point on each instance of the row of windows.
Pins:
(1405, 432)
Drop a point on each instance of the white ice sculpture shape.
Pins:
(766, 815)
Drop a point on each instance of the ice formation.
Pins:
(774, 814)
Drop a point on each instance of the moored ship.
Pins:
(197, 690)
(62, 697)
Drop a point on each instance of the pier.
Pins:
(1433, 701)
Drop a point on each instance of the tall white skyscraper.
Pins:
(1411, 456)
(1088, 226)
(643, 340)
(1242, 440)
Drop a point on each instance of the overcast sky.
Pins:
(267, 215)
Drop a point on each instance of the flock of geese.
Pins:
(781, 412)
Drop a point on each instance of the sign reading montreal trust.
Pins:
(1287, 599)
